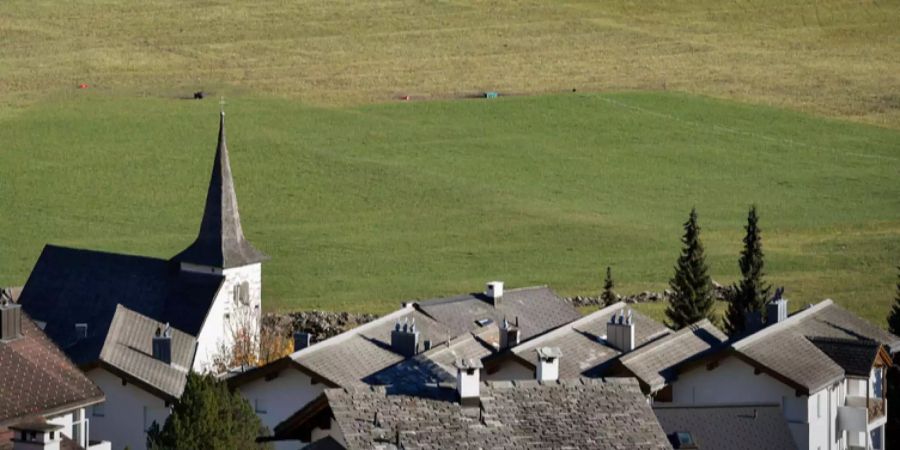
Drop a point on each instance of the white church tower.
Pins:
(221, 249)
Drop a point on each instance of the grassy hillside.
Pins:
(362, 207)
(832, 57)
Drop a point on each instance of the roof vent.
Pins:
(468, 381)
(302, 340)
(81, 331)
(620, 331)
(405, 338)
(162, 345)
(548, 363)
(10, 320)
(494, 292)
(509, 335)
(776, 309)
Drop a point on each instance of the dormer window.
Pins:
(242, 293)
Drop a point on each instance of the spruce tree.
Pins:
(691, 299)
(894, 318)
(208, 415)
(608, 296)
(751, 292)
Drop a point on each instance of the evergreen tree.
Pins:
(751, 292)
(692, 298)
(894, 318)
(608, 296)
(892, 428)
(208, 415)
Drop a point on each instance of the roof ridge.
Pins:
(352, 332)
(470, 295)
(569, 326)
(784, 324)
(714, 405)
(667, 339)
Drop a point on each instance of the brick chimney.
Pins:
(468, 381)
(10, 321)
(405, 338)
(162, 344)
(548, 363)
(620, 331)
(509, 335)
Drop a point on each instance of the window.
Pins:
(242, 293)
(260, 406)
(819, 406)
(52, 435)
(685, 440)
(99, 410)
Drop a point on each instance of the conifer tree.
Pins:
(608, 296)
(208, 415)
(894, 318)
(691, 299)
(751, 292)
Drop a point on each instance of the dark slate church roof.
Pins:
(69, 286)
(220, 242)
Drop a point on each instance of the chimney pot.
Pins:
(620, 331)
(10, 321)
(405, 340)
(548, 363)
(494, 292)
(162, 345)
(468, 381)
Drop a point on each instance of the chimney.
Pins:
(776, 309)
(36, 434)
(468, 381)
(620, 331)
(509, 335)
(162, 345)
(302, 340)
(494, 292)
(752, 321)
(10, 321)
(405, 338)
(548, 363)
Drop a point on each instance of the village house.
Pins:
(579, 413)
(378, 352)
(43, 396)
(103, 310)
(823, 367)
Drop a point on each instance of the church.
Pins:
(137, 325)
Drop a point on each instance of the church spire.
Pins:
(221, 241)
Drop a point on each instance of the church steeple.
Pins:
(221, 241)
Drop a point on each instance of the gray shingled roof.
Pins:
(128, 350)
(579, 413)
(738, 427)
(360, 353)
(437, 365)
(538, 309)
(221, 241)
(36, 378)
(653, 364)
(585, 351)
(69, 286)
(787, 350)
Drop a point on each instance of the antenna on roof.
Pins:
(222, 105)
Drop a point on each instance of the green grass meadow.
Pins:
(362, 207)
